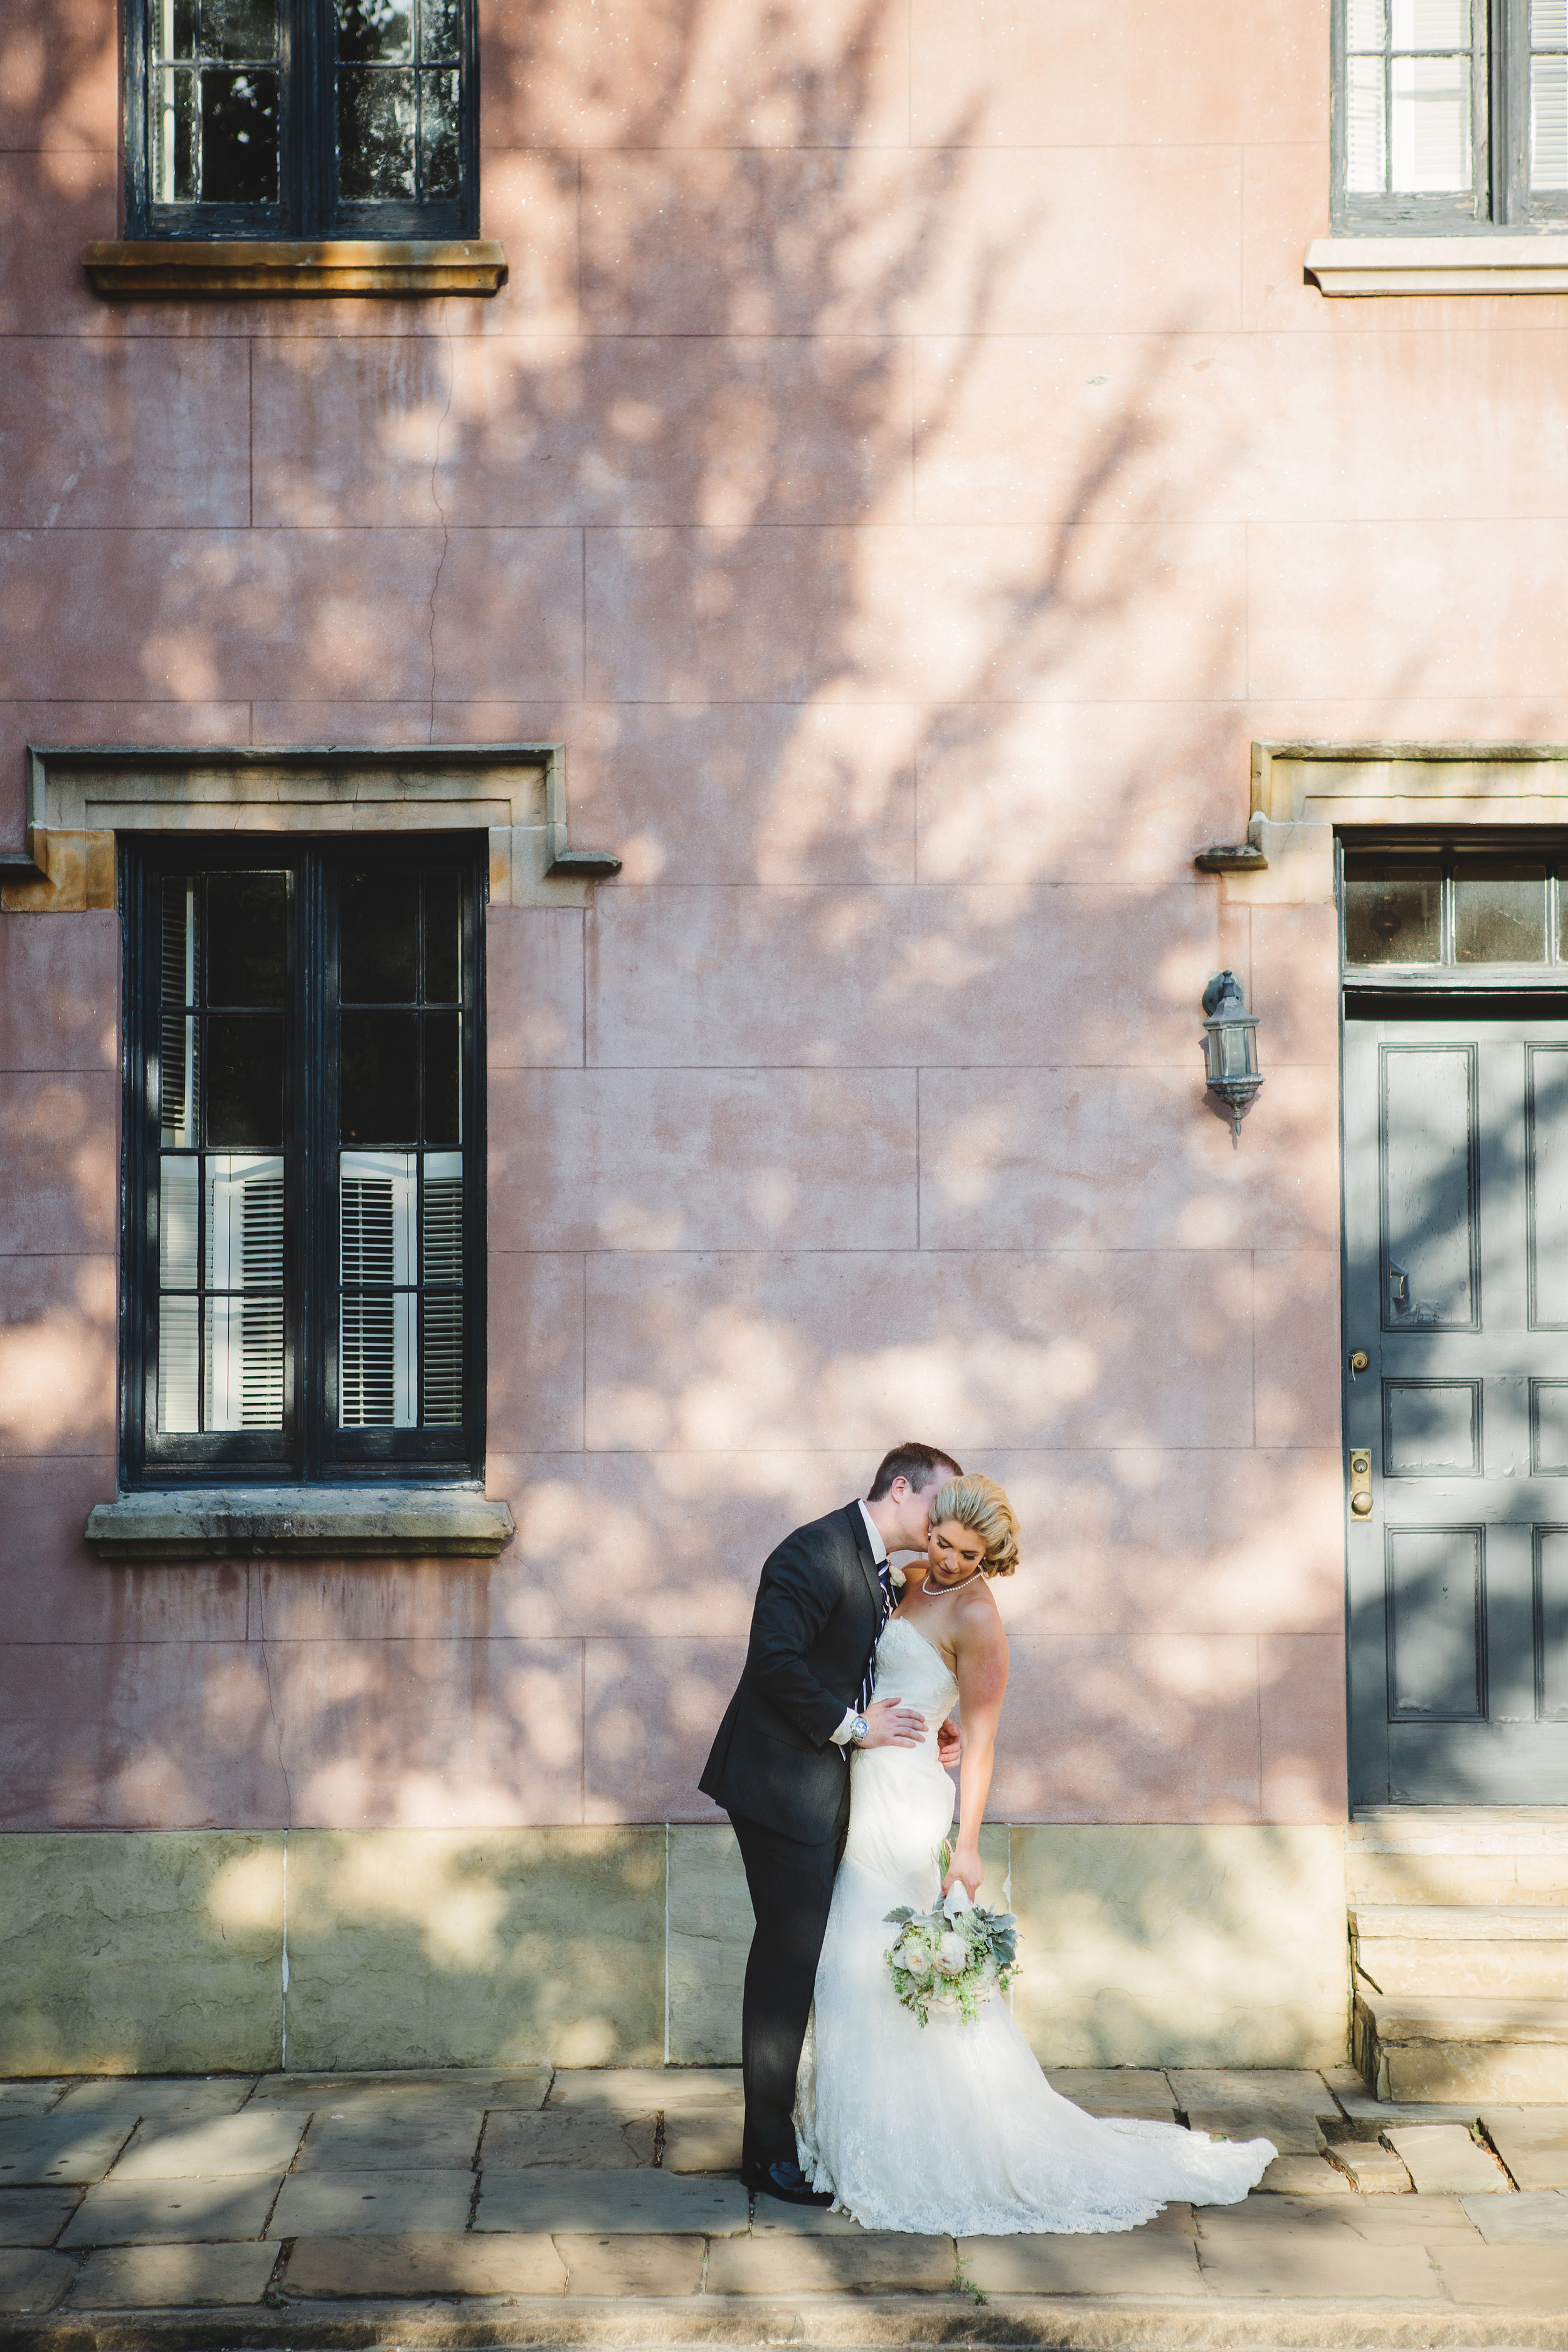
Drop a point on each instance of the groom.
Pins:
(780, 1769)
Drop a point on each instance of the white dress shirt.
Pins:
(840, 1738)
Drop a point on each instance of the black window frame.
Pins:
(308, 205)
(1499, 199)
(310, 1450)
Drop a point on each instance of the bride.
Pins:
(951, 2128)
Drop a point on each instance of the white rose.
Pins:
(953, 1954)
(914, 1954)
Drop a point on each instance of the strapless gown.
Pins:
(951, 2128)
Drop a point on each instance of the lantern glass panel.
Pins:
(1236, 1043)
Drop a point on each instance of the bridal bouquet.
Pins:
(948, 1961)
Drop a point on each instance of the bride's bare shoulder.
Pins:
(978, 1620)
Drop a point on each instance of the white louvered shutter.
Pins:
(378, 1374)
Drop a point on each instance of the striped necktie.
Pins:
(886, 1581)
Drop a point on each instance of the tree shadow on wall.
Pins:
(754, 489)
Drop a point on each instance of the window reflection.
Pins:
(1500, 917)
(1453, 907)
(1393, 910)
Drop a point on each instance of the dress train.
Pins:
(951, 2128)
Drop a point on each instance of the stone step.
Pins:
(1489, 1854)
(1454, 1922)
(1459, 2047)
(1489, 1830)
(1520, 1950)
(1453, 1878)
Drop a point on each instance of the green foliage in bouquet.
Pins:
(948, 1960)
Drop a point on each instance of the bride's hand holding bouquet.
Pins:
(965, 1869)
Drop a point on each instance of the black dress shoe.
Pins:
(785, 2179)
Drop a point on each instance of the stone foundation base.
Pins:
(204, 1951)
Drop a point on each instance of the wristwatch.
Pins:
(858, 1730)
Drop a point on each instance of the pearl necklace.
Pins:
(925, 1584)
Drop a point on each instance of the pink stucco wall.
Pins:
(907, 470)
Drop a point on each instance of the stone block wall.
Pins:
(907, 472)
(326, 1950)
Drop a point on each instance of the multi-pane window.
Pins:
(400, 1135)
(218, 1049)
(1451, 113)
(303, 118)
(305, 1220)
(1454, 909)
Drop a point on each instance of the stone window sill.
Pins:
(301, 1523)
(142, 266)
(1438, 264)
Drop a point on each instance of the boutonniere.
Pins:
(895, 1576)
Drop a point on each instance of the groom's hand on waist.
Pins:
(891, 1724)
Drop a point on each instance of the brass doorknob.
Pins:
(1361, 1506)
(1359, 1361)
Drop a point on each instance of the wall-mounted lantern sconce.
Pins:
(1230, 1048)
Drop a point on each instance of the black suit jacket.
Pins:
(819, 1610)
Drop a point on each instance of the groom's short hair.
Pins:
(918, 1464)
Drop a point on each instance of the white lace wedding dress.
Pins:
(951, 2128)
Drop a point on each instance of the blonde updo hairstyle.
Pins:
(979, 1503)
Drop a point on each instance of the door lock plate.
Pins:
(1361, 1485)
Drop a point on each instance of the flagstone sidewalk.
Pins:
(602, 2206)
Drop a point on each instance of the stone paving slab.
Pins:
(169, 2212)
(1374, 2221)
(1118, 2263)
(35, 2217)
(1272, 2263)
(592, 2204)
(574, 2140)
(1519, 2278)
(1278, 2089)
(1305, 2176)
(369, 2140)
(371, 2204)
(1532, 2142)
(1442, 2158)
(30, 2281)
(461, 2086)
(1139, 2091)
(1376, 2115)
(706, 2141)
(31, 2098)
(258, 2141)
(1292, 2129)
(640, 2090)
(1538, 2215)
(617, 2265)
(888, 2260)
(426, 2263)
(61, 2148)
(772, 2218)
(1375, 2170)
(1176, 2219)
(184, 2098)
(143, 2278)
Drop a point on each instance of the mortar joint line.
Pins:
(436, 502)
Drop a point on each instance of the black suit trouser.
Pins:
(791, 1890)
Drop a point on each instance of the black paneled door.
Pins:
(1457, 1427)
